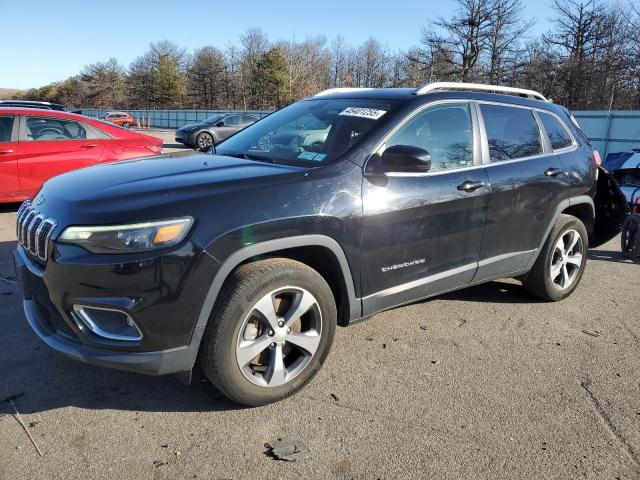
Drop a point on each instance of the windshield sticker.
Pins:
(313, 156)
(372, 113)
(307, 156)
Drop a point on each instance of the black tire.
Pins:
(204, 139)
(242, 290)
(126, 125)
(630, 236)
(539, 281)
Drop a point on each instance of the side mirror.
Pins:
(220, 124)
(402, 159)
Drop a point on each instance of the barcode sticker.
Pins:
(372, 113)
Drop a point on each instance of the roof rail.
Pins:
(341, 90)
(478, 87)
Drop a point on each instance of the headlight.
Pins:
(128, 238)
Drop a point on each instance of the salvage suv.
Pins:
(243, 260)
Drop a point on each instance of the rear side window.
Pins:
(511, 132)
(6, 125)
(557, 133)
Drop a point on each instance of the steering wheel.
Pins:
(50, 129)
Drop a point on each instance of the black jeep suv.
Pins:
(246, 258)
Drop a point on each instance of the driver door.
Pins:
(50, 146)
(232, 124)
(422, 232)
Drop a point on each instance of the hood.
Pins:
(161, 186)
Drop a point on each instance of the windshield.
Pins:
(310, 132)
(213, 118)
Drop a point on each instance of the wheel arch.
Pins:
(578, 206)
(320, 252)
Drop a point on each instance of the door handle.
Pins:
(470, 186)
(4, 152)
(553, 172)
(89, 145)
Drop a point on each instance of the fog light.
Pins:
(107, 323)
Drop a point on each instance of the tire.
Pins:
(630, 236)
(126, 125)
(542, 280)
(237, 330)
(204, 139)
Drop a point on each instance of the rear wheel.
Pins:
(630, 236)
(204, 139)
(271, 332)
(562, 261)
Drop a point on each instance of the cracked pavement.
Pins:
(480, 383)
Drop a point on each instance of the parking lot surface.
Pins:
(481, 383)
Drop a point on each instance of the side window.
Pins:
(511, 132)
(248, 119)
(445, 131)
(232, 121)
(557, 133)
(47, 129)
(6, 125)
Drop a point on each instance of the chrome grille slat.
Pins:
(34, 231)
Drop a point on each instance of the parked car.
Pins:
(122, 119)
(213, 129)
(36, 145)
(32, 104)
(625, 168)
(246, 259)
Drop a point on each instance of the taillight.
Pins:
(596, 158)
(155, 148)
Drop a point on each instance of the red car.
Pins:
(36, 145)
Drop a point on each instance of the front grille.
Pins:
(34, 230)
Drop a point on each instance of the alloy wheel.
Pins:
(279, 337)
(566, 260)
(205, 140)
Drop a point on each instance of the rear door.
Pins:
(421, 233)
(50, 146)
(9, 181)
(528, 181)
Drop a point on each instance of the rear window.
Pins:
(557, 133)
(512, 132)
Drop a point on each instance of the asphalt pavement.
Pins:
(483, 383)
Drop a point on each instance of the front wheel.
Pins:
(270, 333)
(561, 262)
(204, 139)
(126, 125)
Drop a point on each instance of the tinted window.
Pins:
(232, 121)
(248, 119)
(511, 132)
(558, 135)
(6, 124)
(42, 128)
(444, 131)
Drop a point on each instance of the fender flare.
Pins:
(562, 206)
(262, 248)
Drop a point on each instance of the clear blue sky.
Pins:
(46, 41)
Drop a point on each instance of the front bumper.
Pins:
(185, 138)
(169, 345)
